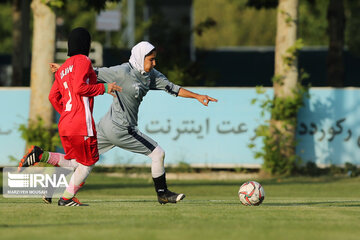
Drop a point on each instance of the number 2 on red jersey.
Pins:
(68, 104)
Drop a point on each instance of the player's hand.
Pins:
(112, 87)
(54, 67)
(205, 99)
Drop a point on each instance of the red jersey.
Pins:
(72, 96)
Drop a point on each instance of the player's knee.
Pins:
(73, 163)
(158, 154)
(161, 152)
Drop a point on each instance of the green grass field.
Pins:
(124, 208)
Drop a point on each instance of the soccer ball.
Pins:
(251, 193)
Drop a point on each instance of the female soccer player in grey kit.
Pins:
(119, 126)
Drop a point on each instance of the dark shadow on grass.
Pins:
(329, 204)
(171, 183)
(193, 183)
(305, 180)
(123, 201)
(113, 186)
(39, 225)
(17, 202)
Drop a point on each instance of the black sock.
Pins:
(160, 184)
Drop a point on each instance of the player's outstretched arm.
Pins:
(110, 89)
(204, 99)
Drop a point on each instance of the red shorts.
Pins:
(83, 149)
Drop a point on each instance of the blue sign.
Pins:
(213, 136)
(328, 127)
(14, 110)
(192, 133)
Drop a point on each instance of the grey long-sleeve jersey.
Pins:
(125, 107)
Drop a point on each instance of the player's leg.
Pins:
(76, 182)
(104, 144)
(158, 173)
(36, 155)
(133, 140)
(157, 157)
(58, 160)
(84, 150)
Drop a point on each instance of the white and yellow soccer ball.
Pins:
(251, 193)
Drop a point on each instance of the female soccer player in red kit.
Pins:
(72, 96)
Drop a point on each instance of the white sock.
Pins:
(77, 180)
(157, 162)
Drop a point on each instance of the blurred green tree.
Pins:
(222, 23)
(43, 51)
(6, 27)
(236, 24)
(16, 37)
(82, 14)
(21, 40)
(278, 133)
(280, 154)
(352, 33)
(336, 30)
(239, 23)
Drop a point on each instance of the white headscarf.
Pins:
(138, 53)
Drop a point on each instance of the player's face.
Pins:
(149, 62)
